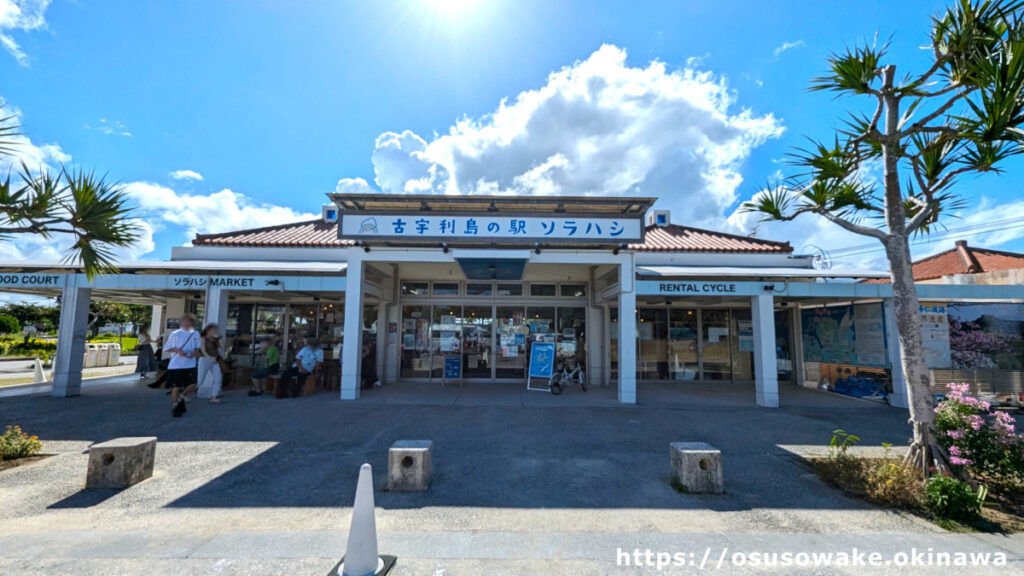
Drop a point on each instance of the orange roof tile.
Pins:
(316, 233)
(963, 259)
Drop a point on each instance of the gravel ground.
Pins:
(263, 486)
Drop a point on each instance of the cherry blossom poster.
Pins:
(986, 335)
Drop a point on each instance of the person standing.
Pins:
(183, 348)
(306, 362)
(271, 360)
(210, 377)
(145, 362)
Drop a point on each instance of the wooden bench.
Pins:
(308, 389)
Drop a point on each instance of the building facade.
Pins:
(425, 289)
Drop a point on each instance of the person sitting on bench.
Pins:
(306, 362)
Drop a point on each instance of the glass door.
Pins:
(415, 339)
(477, 349)
(652, 344)
(715, 349)
(683, 359)
(445, 337)
(510, 357)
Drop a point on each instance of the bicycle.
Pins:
(564, 378)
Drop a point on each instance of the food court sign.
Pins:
(471, 227)
(32, 280)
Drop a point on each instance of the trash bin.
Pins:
(91, 353)
(114, 357)
(103, 352)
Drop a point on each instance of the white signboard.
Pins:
(935, 333)
(699, 288)
(463, 227)
(32, 280)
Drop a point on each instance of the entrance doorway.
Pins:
(491, 341)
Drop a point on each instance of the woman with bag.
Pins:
(146, 360)
(210, 375)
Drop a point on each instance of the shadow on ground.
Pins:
(505, 455)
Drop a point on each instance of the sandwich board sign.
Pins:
(542, 365)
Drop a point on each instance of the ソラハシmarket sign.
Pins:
(31, 281)
(468, 228)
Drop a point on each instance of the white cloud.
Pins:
(787, 46)
(352, 186)
(221, 211)
(597, 127)
(35, 156)
(186, 175)
(23, 15)
(110, 128)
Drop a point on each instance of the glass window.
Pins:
(652, 345)
(446, 288)
(473, 289)
(542, 289)
(782, 347)
(415, 288)
(742, 345)
(510, 289)
(613, 342)
(415, 338)
(683, 361)
(573, 290)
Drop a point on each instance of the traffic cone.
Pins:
(361, 558)
(38, 375)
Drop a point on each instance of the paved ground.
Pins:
(16, 372)
(525, 483)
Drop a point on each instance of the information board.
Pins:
(542, 360)
(453, 367)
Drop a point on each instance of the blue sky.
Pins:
(275, 104)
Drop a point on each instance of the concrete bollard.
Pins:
(697, 467)
(121, 462)
(409, 465)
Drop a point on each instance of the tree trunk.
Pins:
(925, 452)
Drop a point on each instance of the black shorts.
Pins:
(182, 377)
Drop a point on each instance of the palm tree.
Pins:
(962, 116)
(68, 202)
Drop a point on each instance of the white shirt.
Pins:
(308, 357)
(188, 342)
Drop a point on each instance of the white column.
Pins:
(766, 372)
(351, 351)
(215, 309)
(797, 345)
(892, 349)
(156, 321)
(627, 333)
(74, 323)
(174, 311)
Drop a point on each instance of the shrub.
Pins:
(9, 325)
(952, 499)
(16, 444)
(893, 483)
(977, 438)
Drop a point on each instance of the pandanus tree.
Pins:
(91, 211)
(924, 132)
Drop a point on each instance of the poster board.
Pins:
(453, 367)
(542, 365)
(935, 333)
